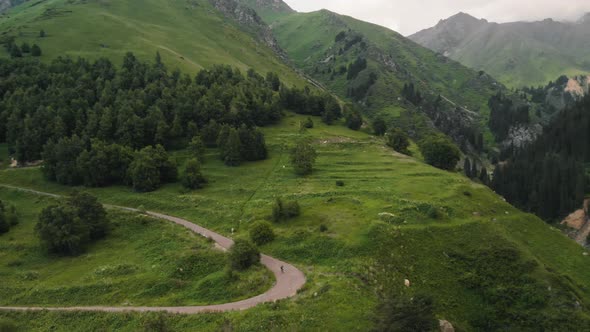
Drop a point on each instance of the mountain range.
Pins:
(519, 53)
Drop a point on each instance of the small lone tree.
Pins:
(243, 254)
(197, 148)
(261, 233)
(15, 51)
(379, 126)
(35, 50)
(42, 33)
(399, 141)
(303, 157)
(25, 48)
(192, 177)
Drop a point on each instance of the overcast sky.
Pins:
(409, 16)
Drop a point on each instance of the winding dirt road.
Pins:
(287, 283)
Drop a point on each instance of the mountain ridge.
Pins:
(516, 53)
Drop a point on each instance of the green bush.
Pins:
(243, 254)
(403, 313)
(8, 326)
(340, 183)
(440, 152)
(285, 210)
(261, 233)
(398, 141)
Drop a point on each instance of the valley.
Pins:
(237, 165)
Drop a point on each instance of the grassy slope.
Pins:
(189, 34)
(338, 262)
(139, 263)
(309, 39)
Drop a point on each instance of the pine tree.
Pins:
(232, 149)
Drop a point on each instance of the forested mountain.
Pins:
(519, 53)
(550, 177)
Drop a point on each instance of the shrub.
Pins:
(8, 326)
(440, 152)
(399, 141)
(379, 126)
(307, 124)
(4, 225)
(285, 210)
(261, 233)
(303, 157)
(340, 183)
(243, 254)
(155, 323)
(323, 228)
(401, 313)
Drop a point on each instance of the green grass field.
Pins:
(189, 35)
(144, 261)
(409, 241)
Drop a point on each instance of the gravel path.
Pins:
(287, 283)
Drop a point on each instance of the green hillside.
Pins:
(189, 34)
(482, 261)
(518, 54)
(325, 44)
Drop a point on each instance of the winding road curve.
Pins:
(287, 283)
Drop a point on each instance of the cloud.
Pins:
(407, 17)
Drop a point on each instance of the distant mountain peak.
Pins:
(585, 19)
(463, 17)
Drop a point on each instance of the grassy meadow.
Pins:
(144, 261)
(108, 28)
(395, 218)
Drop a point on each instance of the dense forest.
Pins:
(549, 177)
(76, 113)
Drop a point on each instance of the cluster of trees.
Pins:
(411, 94)
(303, 101)
(8, 217)
(549, 176)
(471, 171)
(138, 105)
(356, 67)
(242, 144)
(16, 51)
(68, 227)
(504, 114)
(71, 161)
(358, 90)
(440, 152)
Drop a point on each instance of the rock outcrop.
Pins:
(249, 19)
